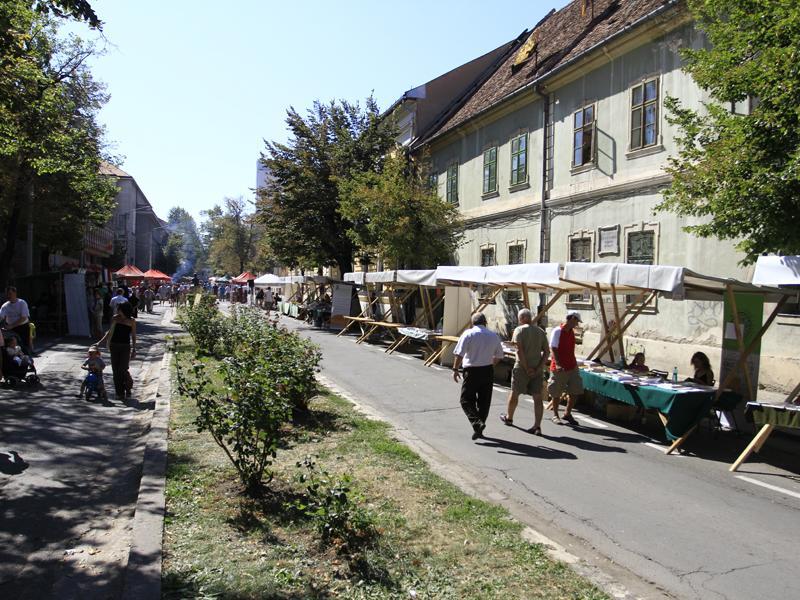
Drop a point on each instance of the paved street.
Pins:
(680, 526)
(66, 518)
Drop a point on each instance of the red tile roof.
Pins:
(558, 38)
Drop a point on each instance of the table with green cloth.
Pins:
(683, 406)
(767, 417)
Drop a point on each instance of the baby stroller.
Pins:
(14, 374)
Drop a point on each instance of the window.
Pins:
(519, 159)
(516, 254)
(487, 257)
(583, 136)
(580, 250)
(433, 182)
(490, 170)
(641, 247)
(641, 251)
(644, 114)
(452, 184)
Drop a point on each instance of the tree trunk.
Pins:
(7, 255)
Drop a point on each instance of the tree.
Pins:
(299, 207)
(740, 173)
(184, 242)
(231, 236)
(51, 144)
(397, 215)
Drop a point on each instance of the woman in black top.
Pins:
(702, 369)
(122, 346)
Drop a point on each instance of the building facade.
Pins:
(560, 156)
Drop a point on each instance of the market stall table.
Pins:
(680, 405)
(768, 417)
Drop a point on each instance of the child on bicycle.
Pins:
(93, 382)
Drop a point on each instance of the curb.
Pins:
(143, 571)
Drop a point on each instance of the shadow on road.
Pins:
(520, 449)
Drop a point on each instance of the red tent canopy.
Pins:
(127, 272)
(243, 278)
(156, 274)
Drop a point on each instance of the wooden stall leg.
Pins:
(677, 443)
(754, 446)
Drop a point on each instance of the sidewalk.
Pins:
(66, 518)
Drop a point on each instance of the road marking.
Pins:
(661, 449)
(769, 486)
(590, 421)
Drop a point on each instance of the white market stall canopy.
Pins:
(777, 270)
(532, 275)
(679, 283)
(423, 277)
(268, 279)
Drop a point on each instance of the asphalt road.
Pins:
(66, 510)
(663, 526)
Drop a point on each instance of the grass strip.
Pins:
(434, 541)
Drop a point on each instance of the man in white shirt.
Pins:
(268, 298)
(477, 351)
(118, 299)
(16, 315)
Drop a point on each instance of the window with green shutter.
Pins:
(644, 114)
(452, 184)
(490, 170)
(519, 159)
(583, 122)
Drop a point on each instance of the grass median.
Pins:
(430, 540)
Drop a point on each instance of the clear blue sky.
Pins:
(197, 86)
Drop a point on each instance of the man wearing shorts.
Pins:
(564, 368)
(527, 376)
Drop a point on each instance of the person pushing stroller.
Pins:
(93, 382)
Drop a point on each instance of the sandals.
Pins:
(506, 421)
(535, 431)
(570, 419)
(557, 420)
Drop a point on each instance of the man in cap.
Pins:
(564, 367)
(477, 351)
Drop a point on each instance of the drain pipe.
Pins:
(544, 216)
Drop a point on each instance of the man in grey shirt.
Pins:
(527, 376)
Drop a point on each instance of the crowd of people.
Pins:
(479, 349)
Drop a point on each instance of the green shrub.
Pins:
(244, 419)
(267, 374)
(333, 508)
(205, 324)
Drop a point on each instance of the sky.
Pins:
(196, 87)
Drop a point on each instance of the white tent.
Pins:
(268, 280)
(777, 270)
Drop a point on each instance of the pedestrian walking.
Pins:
(527, 375)
(477, 351)
(564, 368)
(96, 313)
(118, 299)
(121, 340)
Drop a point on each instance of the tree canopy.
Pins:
(396, 214)
(300, 206)
(232, 237)
(738, 168)
(51, 144)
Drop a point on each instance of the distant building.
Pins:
(138, 232)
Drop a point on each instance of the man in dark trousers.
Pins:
(477, 351)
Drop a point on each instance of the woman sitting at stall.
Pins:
(637, 364)
(702, 369)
